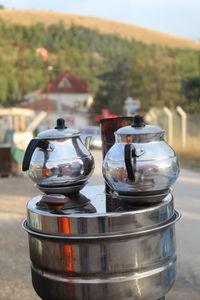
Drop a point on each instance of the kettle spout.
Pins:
(87, 142)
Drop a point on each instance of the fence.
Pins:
(182, 130)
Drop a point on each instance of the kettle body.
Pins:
(58, 158)
(140, 162)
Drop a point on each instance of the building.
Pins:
(66, 96)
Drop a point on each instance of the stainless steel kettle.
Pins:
(58, 161)
(140, 162)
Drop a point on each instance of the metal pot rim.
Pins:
(103, 215)
(109, 214)
(176, 217)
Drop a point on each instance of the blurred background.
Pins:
(94, 60)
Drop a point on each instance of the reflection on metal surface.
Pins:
(156, 168)
(70, 163)
(105, 212)
(143, 285)
(66, 250)
(68, 189)
(139, 161)
(109, 251)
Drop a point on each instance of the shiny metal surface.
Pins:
(98, 248)
(69, 235)
(58, 158)
(149, 198)
(62, 189)
(69, 163)
(146, 286)
(137, 265)
(139, 134)
(87, 142)
(156, 168)
(111, 215)
(57, 134)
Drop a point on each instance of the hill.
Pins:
(128, 31)
(115, 67)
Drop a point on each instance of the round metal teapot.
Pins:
(58, 161)
(140, 162)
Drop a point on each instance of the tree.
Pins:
(191, 91)
(115, 67)
(114, 89)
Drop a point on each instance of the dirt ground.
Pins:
(15, 279)
(15, 282)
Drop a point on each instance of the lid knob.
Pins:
(55, 202)
(60, 124)
(138, 121)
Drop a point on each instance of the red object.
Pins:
(64, 226)
(105, 112)
(67, 82)
(105, 115)
(45, 172)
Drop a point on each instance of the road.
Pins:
(187, 199)
(15, 281)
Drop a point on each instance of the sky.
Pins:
(179, 17)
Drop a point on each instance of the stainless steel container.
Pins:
(140, 162)
(104, 250)
(57, 160)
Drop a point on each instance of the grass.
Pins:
(124, 30)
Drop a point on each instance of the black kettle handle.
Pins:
(129, 153)
(34, 143)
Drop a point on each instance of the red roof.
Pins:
(67, 83)
(49, 105)
(42, 104)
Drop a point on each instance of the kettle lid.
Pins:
(60, 131)
(139, 127)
